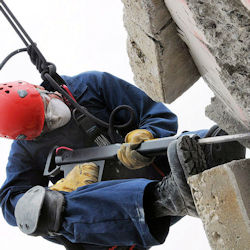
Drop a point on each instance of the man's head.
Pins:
(28, 110)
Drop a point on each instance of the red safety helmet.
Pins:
(22, 111)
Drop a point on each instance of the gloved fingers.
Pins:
(131, 158)
(80, 175)
(138, 136)
(137, 160)
(83, 174)
(122, 155)
(87, 173)
(61, 186)
(88, 169)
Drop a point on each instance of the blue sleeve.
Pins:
(99, 89)
(21, 175)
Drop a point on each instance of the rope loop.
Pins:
(35, 58)
(50, 69)
(39, 61)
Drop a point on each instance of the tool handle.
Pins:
(56, 163)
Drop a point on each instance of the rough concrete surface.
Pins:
(218, 35)
(217, 111)
(222, 199)
(159, 59)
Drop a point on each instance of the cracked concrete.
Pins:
(159, 59)
(218, 35)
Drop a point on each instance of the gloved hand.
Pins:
(80, 175)
(127, 153)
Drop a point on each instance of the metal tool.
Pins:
(67, 159)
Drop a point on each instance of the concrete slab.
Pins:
(159, 59)
(218, 35)
(150, 15)
(222, 199)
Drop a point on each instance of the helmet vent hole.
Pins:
(7, 91)
(1, 88)
(10, 86)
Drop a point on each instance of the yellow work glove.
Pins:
(127, 153)
(80, 175)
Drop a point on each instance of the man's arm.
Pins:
(101, 92)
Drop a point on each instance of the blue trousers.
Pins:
(108, 213)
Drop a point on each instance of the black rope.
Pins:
(10, 55)
(41, 64)
(16, 25)
(112, 126)
(13, 25)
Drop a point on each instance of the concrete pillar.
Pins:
(159, 59)
(222, 199)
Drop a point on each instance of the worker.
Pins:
(133, 213)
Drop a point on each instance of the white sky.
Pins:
(77, 36)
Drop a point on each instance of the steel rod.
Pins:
(224, 138)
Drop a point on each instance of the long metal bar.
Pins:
(224, 138)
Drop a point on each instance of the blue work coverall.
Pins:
(103, 214)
